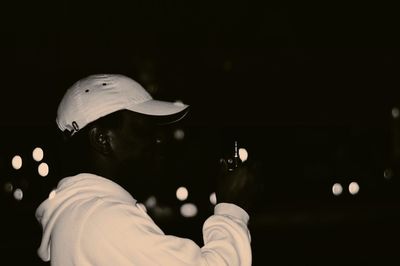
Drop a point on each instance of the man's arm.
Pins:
(226, 235)
(118, 234)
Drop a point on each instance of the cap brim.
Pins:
(168, 112)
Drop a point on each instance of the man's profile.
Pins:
(110, 124)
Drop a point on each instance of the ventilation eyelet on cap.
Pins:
(75, 125)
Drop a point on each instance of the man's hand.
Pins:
(236, 185)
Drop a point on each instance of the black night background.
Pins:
(310, 91)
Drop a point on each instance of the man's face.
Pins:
(137, 147)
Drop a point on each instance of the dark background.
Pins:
(307, 89)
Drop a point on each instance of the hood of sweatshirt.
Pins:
(70, 190)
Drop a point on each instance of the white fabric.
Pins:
(90, 220)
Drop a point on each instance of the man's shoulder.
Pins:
(114, 220)
(107, 211)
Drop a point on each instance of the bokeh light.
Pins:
(337, 189)
(213, 198)
(388, 173)
(395, 112)
(182, 193)
(179, 134)
(354, 188)
(18, 194)
(243, 154)
(16, 162)
(38, 154)
(151, 202)
(43, 169)
(188, 210)
(8, 187)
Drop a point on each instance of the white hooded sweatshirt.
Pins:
(90, 220)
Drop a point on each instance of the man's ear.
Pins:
(100, 140)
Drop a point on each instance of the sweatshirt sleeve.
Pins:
(118, 234)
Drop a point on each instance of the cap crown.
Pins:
(96, 96)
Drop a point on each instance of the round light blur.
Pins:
(18, 194)
(151, 202)
(388, 173)
(395, 112)
(179, 134)
(8, 187)
(188, 210)
(337, 189)
(354, 188)
(43, 169)
(38, 154)
(243, 155)
(16, 162)
(182, 193)
(213, 198)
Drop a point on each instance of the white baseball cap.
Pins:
(98, 95)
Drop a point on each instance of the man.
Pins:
(111, 124)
